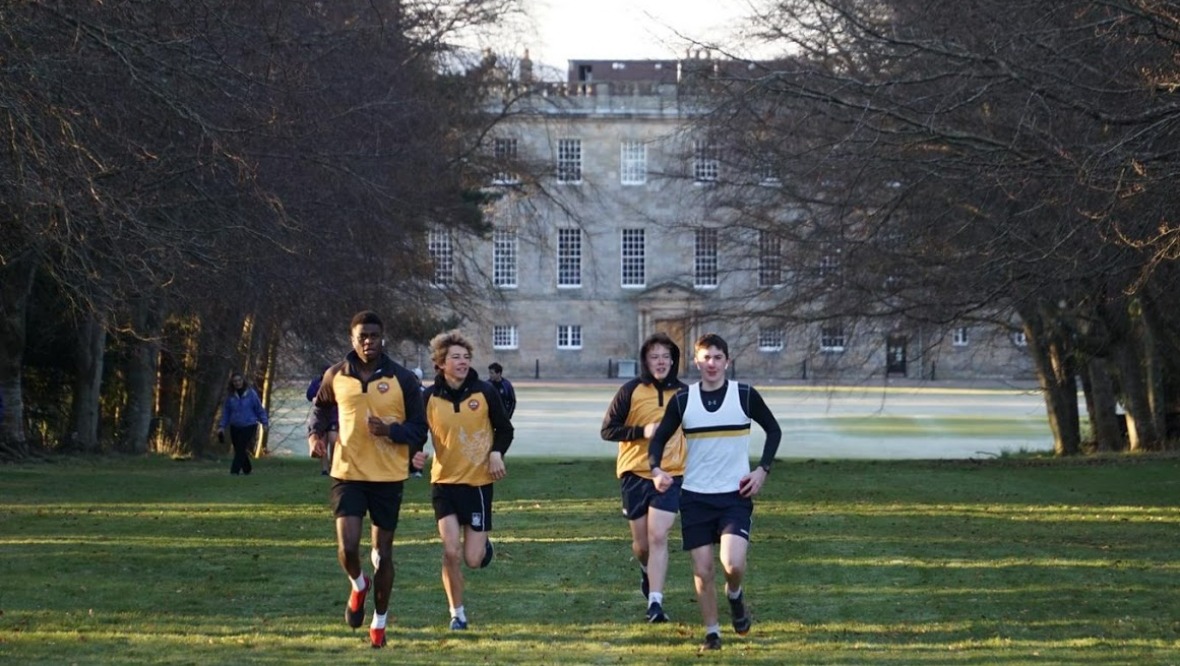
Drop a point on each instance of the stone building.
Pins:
(606, 241)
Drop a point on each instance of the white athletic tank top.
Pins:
(718, 442)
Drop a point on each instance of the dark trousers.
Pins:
(242, 438)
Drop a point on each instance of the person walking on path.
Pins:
(242, 413)
(470, 432)
(382, 427)
(631, 420)
(503, 387)
(717, 497)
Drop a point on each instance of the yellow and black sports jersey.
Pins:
(637, 404)
(391, 394)
(466, 425)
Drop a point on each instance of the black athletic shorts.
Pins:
(382, 500)
(640, 493)
(704, 517)
(472, 505)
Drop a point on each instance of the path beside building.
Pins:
(917, 420)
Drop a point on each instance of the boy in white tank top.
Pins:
(716, 505)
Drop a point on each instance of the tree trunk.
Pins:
(207, 368)
(1058, 381)
(169, 372)
(84, 417)
(142, 367)
(269, 370)
(1153, 373)
(1103, 407)
(16, 282)
(1141, 432)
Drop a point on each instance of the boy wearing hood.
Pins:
(631, 420)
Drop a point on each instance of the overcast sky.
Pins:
(626, 29)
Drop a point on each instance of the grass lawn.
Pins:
(150, 561)
(876, 427)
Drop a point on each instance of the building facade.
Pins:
(601, 236)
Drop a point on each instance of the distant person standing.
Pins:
(333, 423)
(242, 413)
(470, 431)
(503, 387)
(717, 497)
(382, 427)
(631, 419)
(416, 470)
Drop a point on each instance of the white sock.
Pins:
(655, 598)
(459, 613)
(713, 629)
(378, 621)
(358, 584)
(733, 595)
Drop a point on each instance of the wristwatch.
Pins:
(765, 468)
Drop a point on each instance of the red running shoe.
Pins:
(354, 612)
(377, 638)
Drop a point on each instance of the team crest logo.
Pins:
(477, 520)
(473, 404)
(383, 387)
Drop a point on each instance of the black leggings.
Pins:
(242, 438)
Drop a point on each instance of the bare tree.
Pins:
(966, 161)
(200, 177)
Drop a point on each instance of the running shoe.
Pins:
(655, 614)
(377, 638)
(712, 642)
(354, 611)
(458, 625)
(489, 552)
(741, 615)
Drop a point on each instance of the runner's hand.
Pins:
(752, 482)
(662, 479)
(496, 465)
(377, 427)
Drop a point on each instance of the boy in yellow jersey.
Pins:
(470, 432)
(382, 428)
(630, 420)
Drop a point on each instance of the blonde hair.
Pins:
(442, 342)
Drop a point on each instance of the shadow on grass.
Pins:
(138, 561)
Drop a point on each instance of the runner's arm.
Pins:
(673, 416)
(761, 414)
(614, 426)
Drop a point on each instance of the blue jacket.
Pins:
(242, 410)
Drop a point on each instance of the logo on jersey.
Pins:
(477, 520)
(383, 387)
(473, 404)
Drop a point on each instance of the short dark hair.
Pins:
(365, 317)
(712, 340)
(496, 367)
